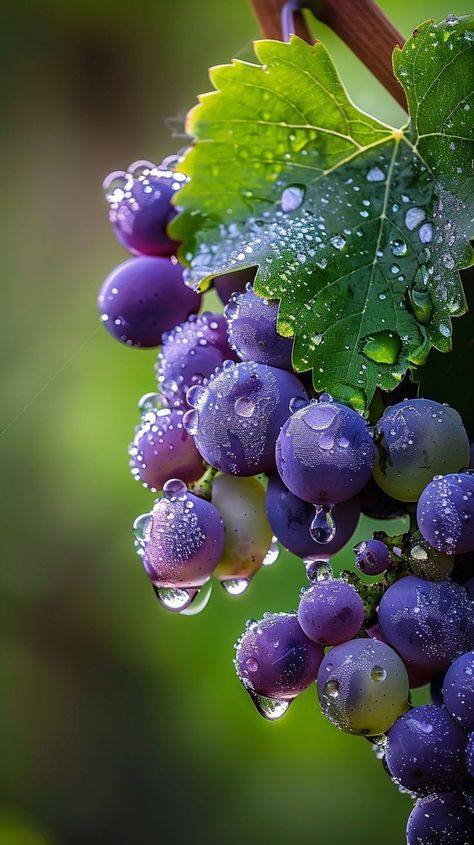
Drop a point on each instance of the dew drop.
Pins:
(292, 198)
(331, 688)
(244, 406)
(270, 708)
(141, 526)
(323, 527)
(236, 586)
(174, 487)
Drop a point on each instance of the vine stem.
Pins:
(361, 24)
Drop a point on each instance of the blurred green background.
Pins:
(122, 723)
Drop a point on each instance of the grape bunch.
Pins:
(245, 456)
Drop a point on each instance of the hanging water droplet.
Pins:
(235, 586)
(273, 553)
(174, 487)
(174, 598)
(318, 570)
(323, 527)
(231, 310)
(270, 708)
(141, 526)
(244, 406)
(199, 601)
(191, 421)
(194, 394)
(292, 197)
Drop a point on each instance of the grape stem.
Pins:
(203, 486)
(359, 23)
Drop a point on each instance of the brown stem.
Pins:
(359, 23)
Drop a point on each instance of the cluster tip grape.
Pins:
(245, 457)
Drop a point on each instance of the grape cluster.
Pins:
(244, 455)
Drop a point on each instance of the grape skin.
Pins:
(363, 687)
(324, 453)
(229, 283)
(426, 750)
(331, 612)
(144, 297)
(248, 536)
(291, 517)
(458, 690)
(416, 440)
(445, 514)
(425, 621)
(275, 658)
(253, 330)
(239, 413)
(372, 557)
(162, 449)
(377, 504)
(441, 819)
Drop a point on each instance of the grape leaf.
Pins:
(359, 229)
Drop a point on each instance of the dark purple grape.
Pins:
(253, 330)
(331, 612)
(324, 453)
(445, 513)
(140, 207)
(191, 352)
(372, 557)
(238, 414)
(162, 449)
(436, 688)
(416, 440)
(442, 819)
(181, 540)
(290, 519)
(418, 677)
(470, 754)
(377, 504)
(143, 298)
(363, 687)
(469, 587)
(463, 568)
(230, 283)
(275, 659)
(425, 621)
(458, 690)
(426, 749)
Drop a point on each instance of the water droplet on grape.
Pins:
(323, 527)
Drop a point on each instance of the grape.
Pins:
(140, 207)
(190, 353)
(238, 414)
(144, 297)
(248, 536)
(363, 687)
(331, 612)
(442, 819)
(470, 754)
(458, 690)
(291, 517)
(253, 330)
(181, 540)
(469, 587)
(230, 283)
(162, 449)
(426, 750)
(324, 453)
(425, 620)
(418, 677)
(418, 439)
(445, 513)
(275, 659)
(372, 557)
(376, 504)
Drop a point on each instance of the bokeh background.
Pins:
(121, 723)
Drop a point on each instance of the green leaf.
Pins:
(357, 228)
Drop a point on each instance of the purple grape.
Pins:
(143, 298)
(275, 659)
(425, 750)
(181, 540)
(331, 612)
(253, 330)
(445, 513)
(162, 449)
(238, 414)
(290, 519)
(230, 283)
(425, 621)
(469, 587)
(191, 352)
(363, 687)
(416, 440)
(324, 453)
(140, 207)
(458, 690)
(470, 754)
(442, 819)
(376, 504)
(372, 557)
(418, 677)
